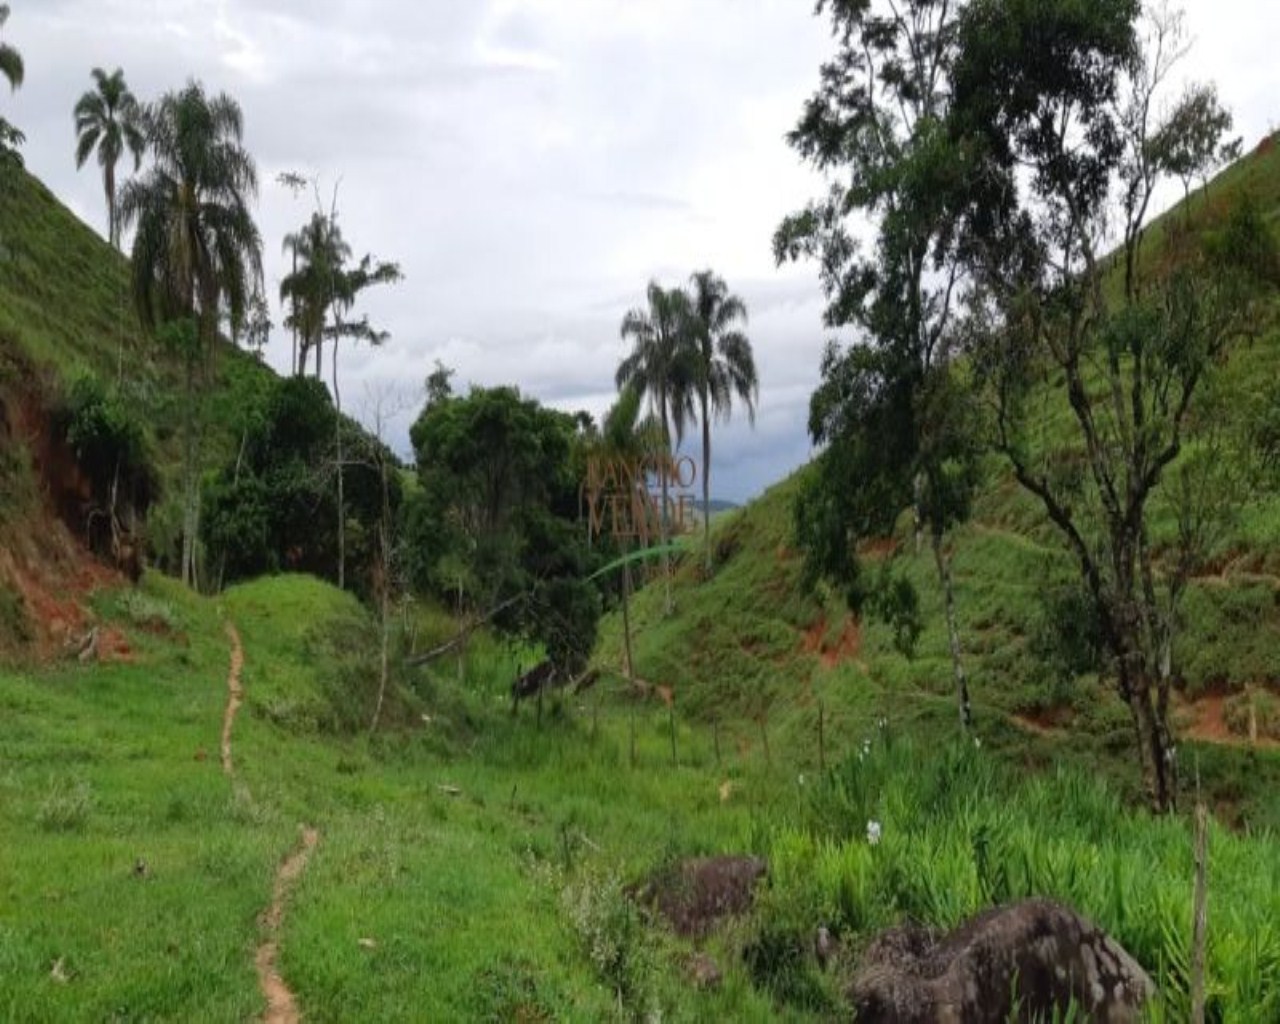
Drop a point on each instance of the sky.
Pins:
(530, 164)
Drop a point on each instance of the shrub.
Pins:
(612, 933)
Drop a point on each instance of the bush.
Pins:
(613, 936)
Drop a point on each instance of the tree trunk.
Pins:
(1154, 746)
(706, 481)
(626, 626)
(113, 233)
(384, 538)
(342, 510)
(188, 472)
(663, 523)
(953, 632)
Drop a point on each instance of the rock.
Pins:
(704, 972)
(824, 946)
(1036, 954)
(693, 895)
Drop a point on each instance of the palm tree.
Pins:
(322, 290)
(10, 59)
(725, 367)
(109, 119)
(11, 69)
(319, 254)
(196, 248)
(661, 366)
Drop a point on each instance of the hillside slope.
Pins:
(66, 312)
(750, 641)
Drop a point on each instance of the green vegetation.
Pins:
(1091, 444)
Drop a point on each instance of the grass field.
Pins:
(470, 864)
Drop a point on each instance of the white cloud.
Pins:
(530, 163)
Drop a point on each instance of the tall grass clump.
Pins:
(903, 831)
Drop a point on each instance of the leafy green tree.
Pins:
(12, 70)
(196, 247)
(109, 119)
(725, 367)
(274, 506)
(1043, 95)
(498, 484)
(894, 420)
(1189, 144)
(662, 367)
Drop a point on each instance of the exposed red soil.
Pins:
(1208, 723)
(846, 649)
(878, 547)
(1044, 721)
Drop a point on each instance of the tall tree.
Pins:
(319, 254)
(323, 289)
(662, 368)
(12, 70)
(196, 246)
(889, 414)
(1045, 95)
(109, 119)
(725, 367)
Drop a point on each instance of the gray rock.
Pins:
(1038, 955)
(694, 895)
(704, 972)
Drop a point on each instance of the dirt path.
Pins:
(281, 1006)
(234, 697)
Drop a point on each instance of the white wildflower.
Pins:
(873, 833)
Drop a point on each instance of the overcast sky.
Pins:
(531, 164)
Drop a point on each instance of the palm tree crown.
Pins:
(10, 59)
(196, 243)
(11, 70)
(662, 366)
(110, 120)
(320, 254)
(725, 367)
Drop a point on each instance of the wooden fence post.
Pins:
(1199, 924)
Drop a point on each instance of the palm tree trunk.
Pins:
(953, 632)
(663, 524)
(342, 510)
(626, 622)
(188, 470)
(113, 230)
(706, 480)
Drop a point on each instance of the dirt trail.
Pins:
(281, 1006)
(235, 695)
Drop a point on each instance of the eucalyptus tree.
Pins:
(662, 367)
(12, 70)
(110, 120)
(725, 367)
(195, 250)
(1054, 101)
(890, 414)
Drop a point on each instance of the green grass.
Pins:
(470, 864)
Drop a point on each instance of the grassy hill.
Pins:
(472, 864)
(750, 645)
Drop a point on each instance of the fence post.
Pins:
(671, 719)
(1199, 925)
(822, 746)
